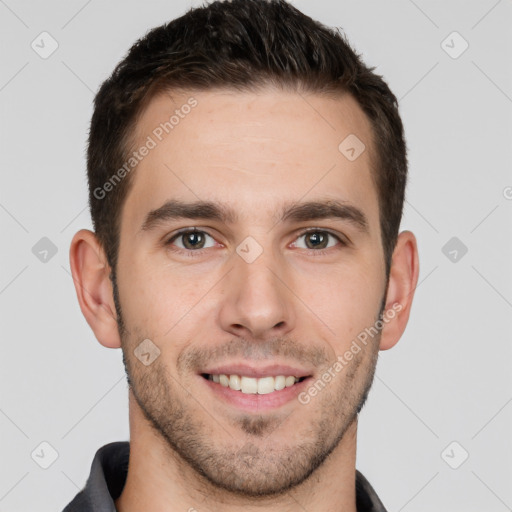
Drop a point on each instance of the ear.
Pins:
(91, 272)
(403, 279)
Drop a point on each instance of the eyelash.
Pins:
(199, 252)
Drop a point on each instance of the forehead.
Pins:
(251, 150)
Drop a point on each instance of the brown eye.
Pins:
(193, 240)
(190, 240)
(318, 239)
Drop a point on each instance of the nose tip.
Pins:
(256, 305)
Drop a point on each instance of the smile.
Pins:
(252, 385)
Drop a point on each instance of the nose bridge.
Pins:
(256, 299)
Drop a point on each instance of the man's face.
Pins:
(253, 296)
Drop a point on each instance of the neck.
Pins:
(159, 480)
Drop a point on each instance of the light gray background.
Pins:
(448, 379)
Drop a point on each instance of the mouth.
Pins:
(252, 385)
(253, 389)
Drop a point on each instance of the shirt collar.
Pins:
(110, 468)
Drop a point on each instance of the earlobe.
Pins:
(90, 272)
(403, 279)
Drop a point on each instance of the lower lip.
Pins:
(256, 402)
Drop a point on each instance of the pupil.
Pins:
(317, 239)
(192, 239)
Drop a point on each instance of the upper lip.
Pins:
(243, 369)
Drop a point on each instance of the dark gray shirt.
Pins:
(110, 468)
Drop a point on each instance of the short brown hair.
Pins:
(241, 45)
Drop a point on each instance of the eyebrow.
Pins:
(290, 212)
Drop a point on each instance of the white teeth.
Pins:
(280, 382)
(266, 385)
(251, 385)
(235, 382)
(290, 381)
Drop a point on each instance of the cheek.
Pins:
(345, 300)
(145, 297)
(162, 302)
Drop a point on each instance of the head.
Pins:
(240, 121)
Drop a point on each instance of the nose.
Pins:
(257, 300)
